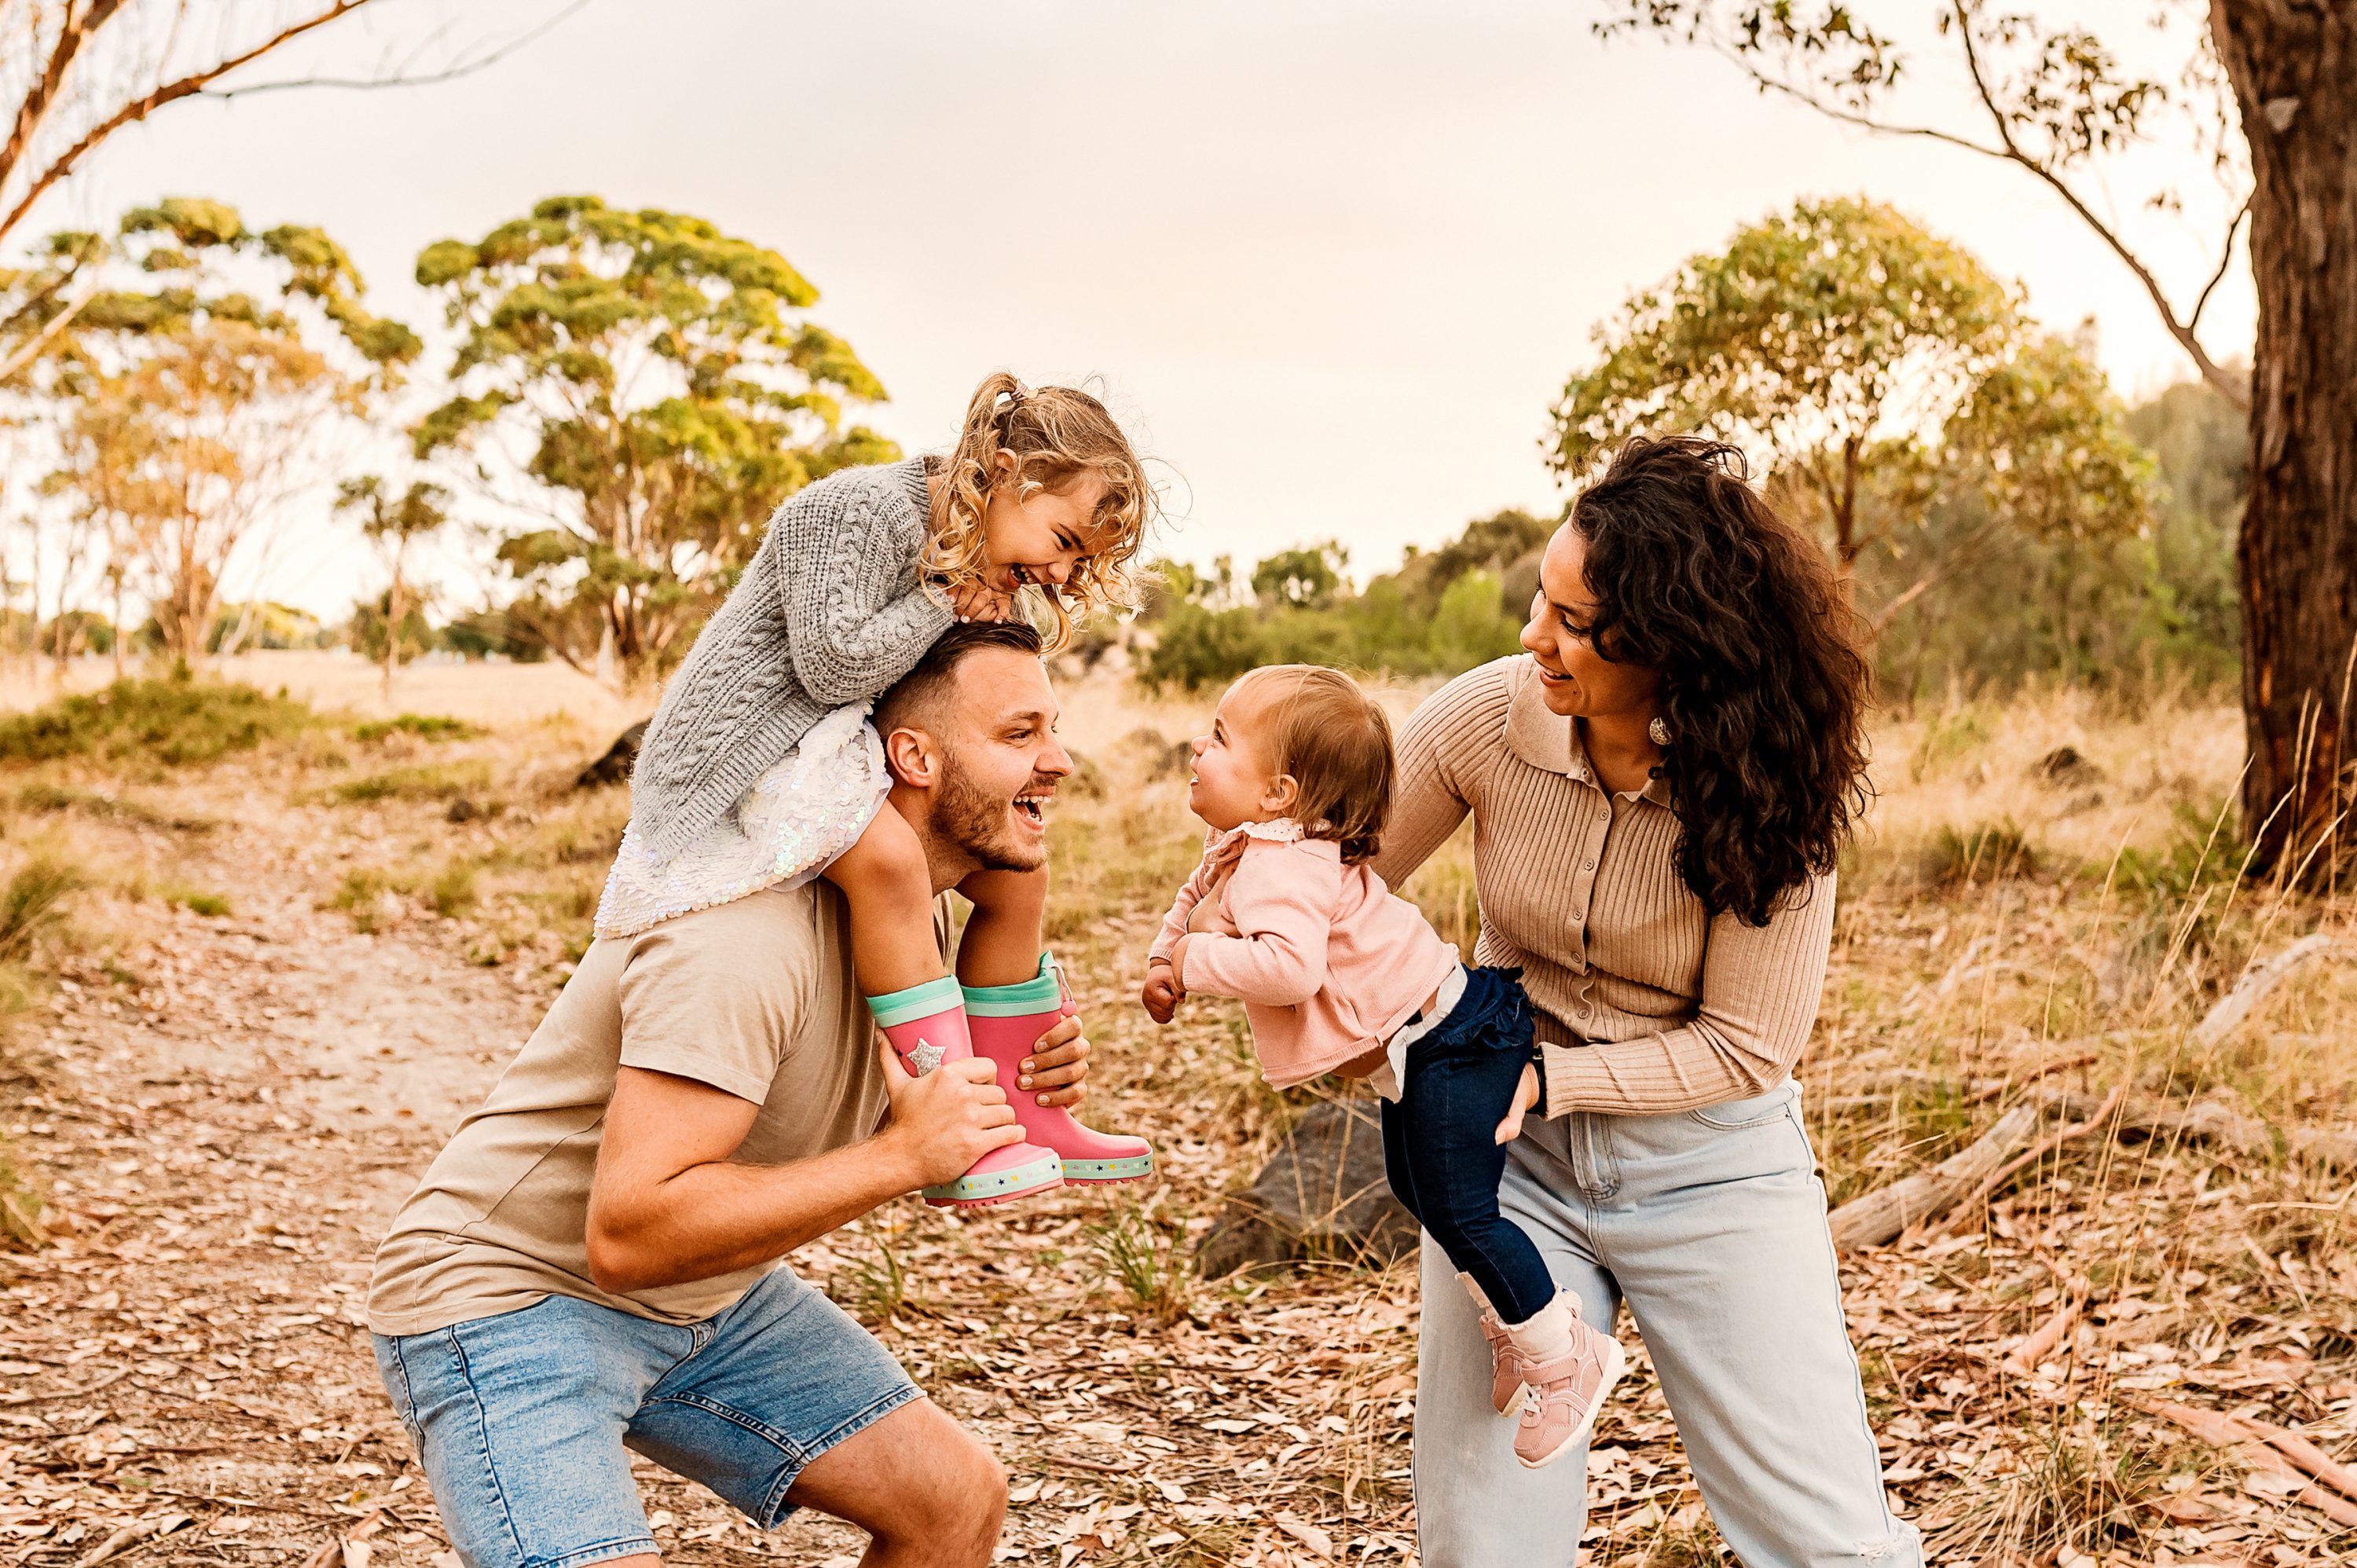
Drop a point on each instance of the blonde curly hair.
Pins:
(1056, 435)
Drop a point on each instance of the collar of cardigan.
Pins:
(1548, 740)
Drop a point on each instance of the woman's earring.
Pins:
(1659, 731)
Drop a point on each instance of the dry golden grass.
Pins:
(1997, 920)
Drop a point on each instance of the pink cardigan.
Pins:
(1328, 962)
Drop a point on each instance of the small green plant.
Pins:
(196, 901)
(454, 890)
(173, 722)
(424, 727)
(1949, 738)
(1146, 1261)
(874, 1288)
(438, 782)
(32, 903)
(1986, 852)
(363, 897)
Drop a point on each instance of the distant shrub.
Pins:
(175, 722)
(440, 781)
(1988, 852)
(426, 726)
(195, 900)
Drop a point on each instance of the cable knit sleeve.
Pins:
(1440, 752)
(855, 618)
(1760, 987)
(1283, 899)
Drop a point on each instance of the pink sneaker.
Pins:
(1507, 1366)
(1564, 1396)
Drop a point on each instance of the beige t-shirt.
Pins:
(755, 997)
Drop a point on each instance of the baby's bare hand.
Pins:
(1162, 993)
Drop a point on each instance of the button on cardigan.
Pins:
(1644, 1002)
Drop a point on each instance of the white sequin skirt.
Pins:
(793, 823)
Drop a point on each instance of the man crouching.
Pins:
(592, 1264)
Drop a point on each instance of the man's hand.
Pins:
(945, 1121)
(1058, 1066)
(1163, 993)
(1526, 1095)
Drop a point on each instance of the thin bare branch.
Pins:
(425, 79)
(2225, 261)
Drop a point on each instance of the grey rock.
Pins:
(1323, 1196)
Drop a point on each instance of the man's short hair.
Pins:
(913, 703)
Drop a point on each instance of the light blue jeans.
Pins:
(1711, 1224)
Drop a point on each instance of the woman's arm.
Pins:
(857, 622)
(1761, 989)
(1449, 741)
(1282, 897)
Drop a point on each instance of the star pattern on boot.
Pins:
(925, 1057)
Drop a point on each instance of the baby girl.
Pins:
(1337, 973)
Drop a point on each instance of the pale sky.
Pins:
(1333, 258)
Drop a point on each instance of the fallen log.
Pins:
(2258, 981)
(1879, 1217)
(2262, 1447)
(2213, 1122)
(2045, 1146)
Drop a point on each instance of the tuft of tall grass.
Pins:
(1980, 852)
(1150, 1263)
(20, 1209)
(175, 722)
(33, 902)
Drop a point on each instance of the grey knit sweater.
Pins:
(828, 613)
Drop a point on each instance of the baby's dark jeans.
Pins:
(1439, 1140)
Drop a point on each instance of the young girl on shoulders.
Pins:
(1338, 974)
(761, 769)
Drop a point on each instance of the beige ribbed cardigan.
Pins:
(1644, 1004)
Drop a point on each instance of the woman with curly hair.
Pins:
(1660, 788)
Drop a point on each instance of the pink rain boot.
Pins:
(927, 1026)
(1007, 1021)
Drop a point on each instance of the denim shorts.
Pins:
(522, 1420)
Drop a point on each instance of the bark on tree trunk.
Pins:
(2294, 69)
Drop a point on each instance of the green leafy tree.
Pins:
(1305, 578)
(395, 523)
(2265, 96)
(198, 386)
(1874, 368)
(658, 388)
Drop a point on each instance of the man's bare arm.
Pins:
(668, 1205)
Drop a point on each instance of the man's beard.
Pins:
(969, 817)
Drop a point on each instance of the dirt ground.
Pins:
(289, 973)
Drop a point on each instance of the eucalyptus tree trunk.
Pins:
(2293, 64)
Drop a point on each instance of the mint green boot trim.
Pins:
(917, 1002)
(1015, 1181)
(1043, 993)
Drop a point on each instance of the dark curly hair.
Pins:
(1764, 678)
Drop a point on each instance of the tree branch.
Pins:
(42, 95)
(2211, 371)
(449, 74)
(2225, 260)
(172, 91)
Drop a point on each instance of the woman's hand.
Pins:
(1162, 993)
(1526, 1095)
(979, 601)
(1057, 1067)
